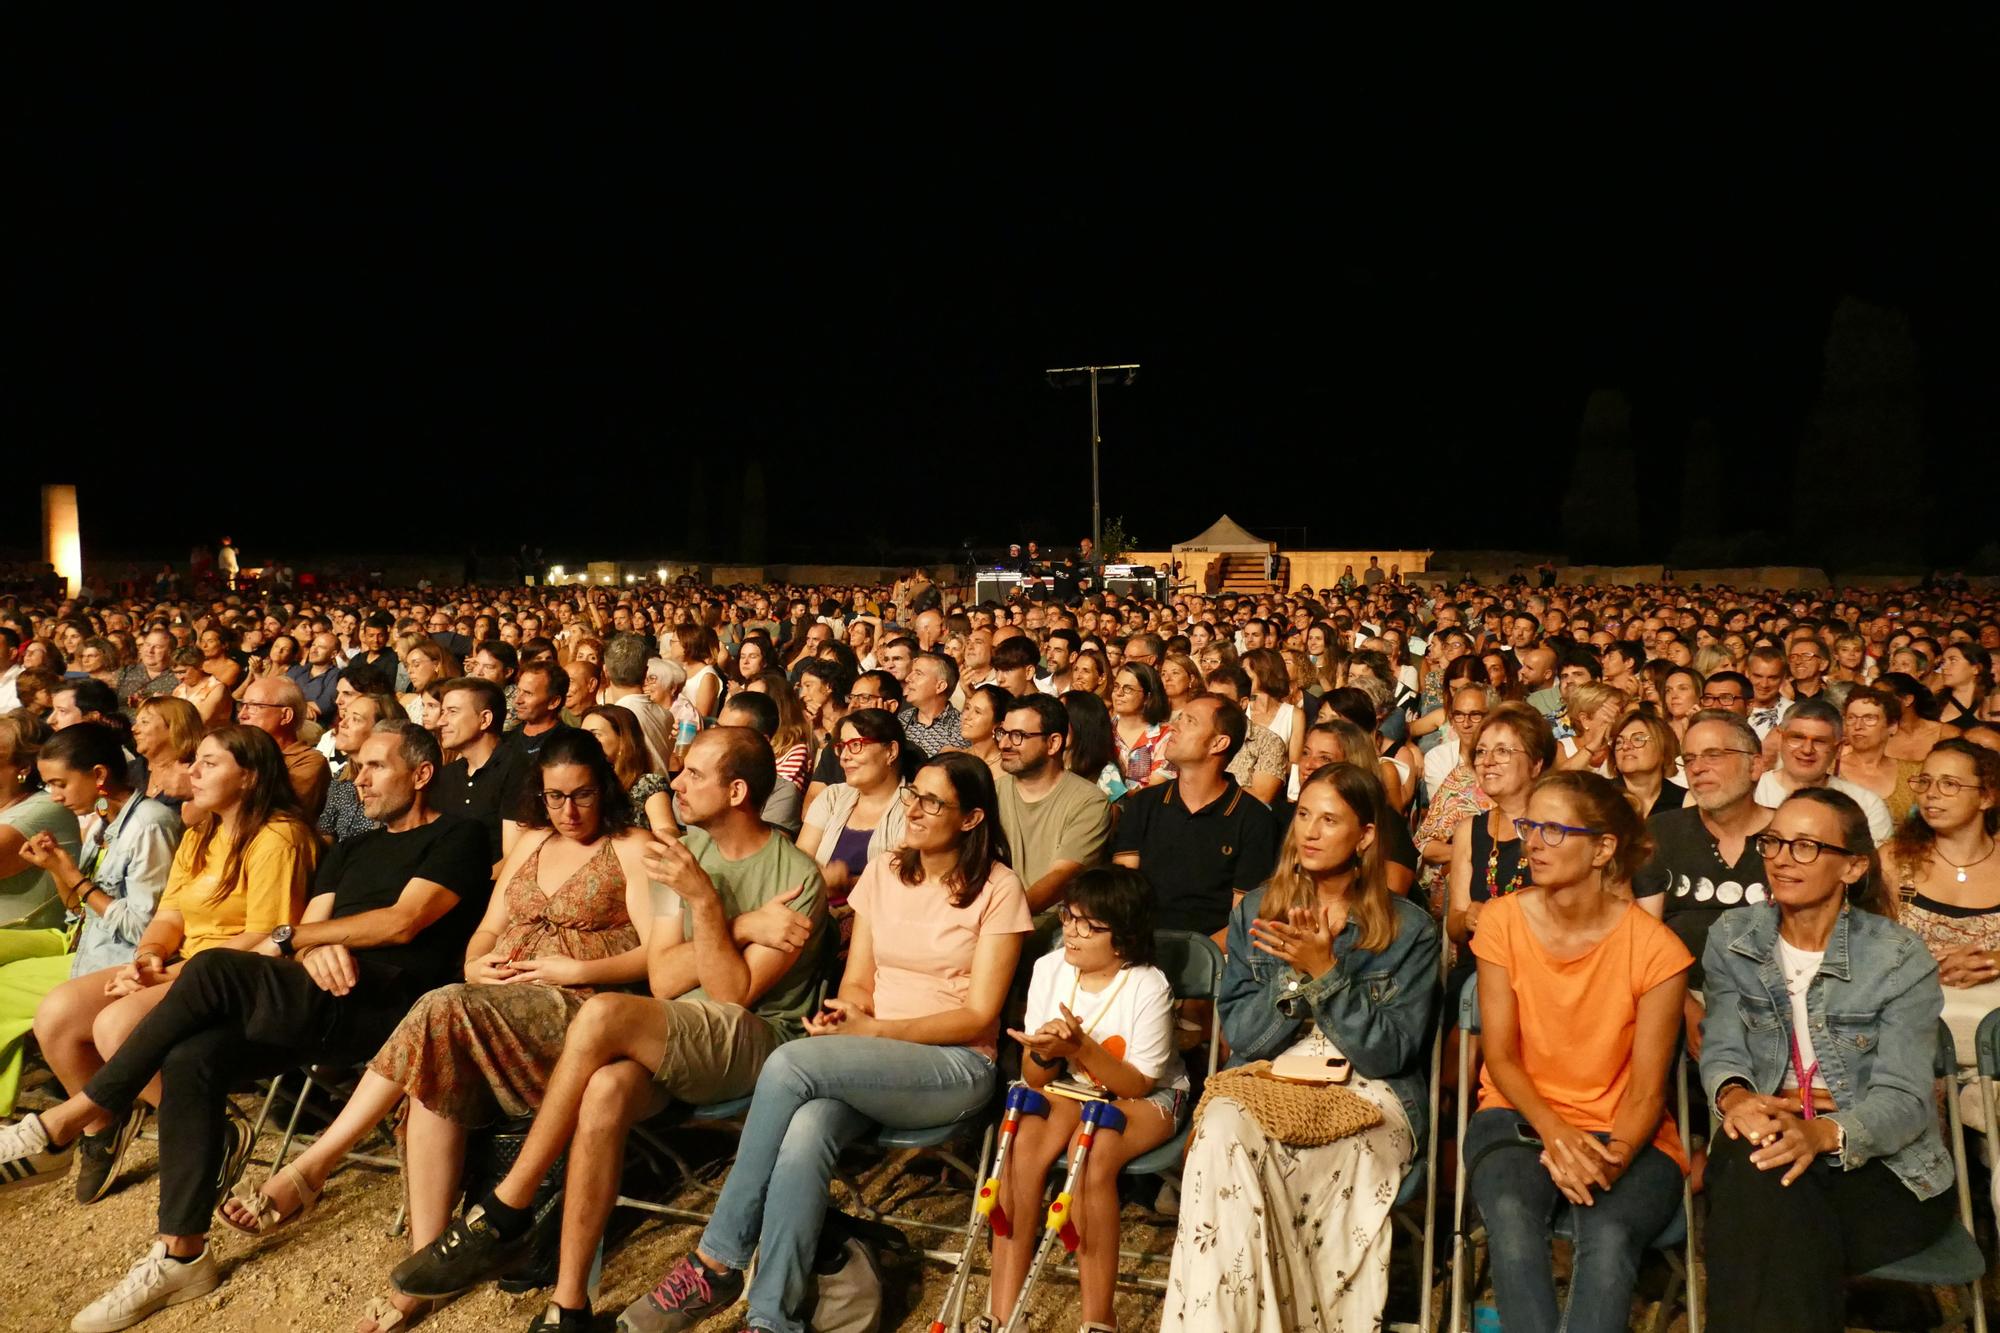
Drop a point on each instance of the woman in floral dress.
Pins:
(572, 920)
(1323, 961)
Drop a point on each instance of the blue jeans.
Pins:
(815, 1096)
(1520, 1203)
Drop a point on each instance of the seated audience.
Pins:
(859, 818)
(1201, 839)
(618, 734)
(759, 712)
(1099, 1015)
(485, 782)
(1817, 1060)
(1809, 741)
(1264, 1241)
(1141, 725)
(208, 695)
(1510, 752)
(571, 920)
(1092, 752)
(275, 707)
(1941, 862)
(344, 818)
(1870, 721)
(29, 900)
(1580, 1008)
(1645, 751)
(731, 964)
(909, 1041)
(1057, 822)
(984, 709)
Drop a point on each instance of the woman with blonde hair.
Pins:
(165, 733)
(1263, 1244)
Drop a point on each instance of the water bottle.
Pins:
(1485, 1319)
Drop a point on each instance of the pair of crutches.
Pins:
(1058, 1227)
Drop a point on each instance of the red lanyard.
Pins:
(1806, 1110)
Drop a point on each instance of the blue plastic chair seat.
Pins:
(1412, 1187)
(1952, 1260)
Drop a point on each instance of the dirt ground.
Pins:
(317, 1275)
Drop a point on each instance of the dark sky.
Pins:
(567, 286)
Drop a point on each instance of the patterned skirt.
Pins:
(475, 1055)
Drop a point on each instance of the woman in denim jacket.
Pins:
(1809, 1188)
(1323, 961)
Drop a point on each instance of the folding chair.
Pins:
(1954, 1259)
(1675, 1241)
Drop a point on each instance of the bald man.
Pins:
(275, 706)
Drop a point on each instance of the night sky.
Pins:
(402, 288)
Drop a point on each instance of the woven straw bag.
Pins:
(1302, 1115)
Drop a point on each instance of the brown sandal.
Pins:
(264, 1215)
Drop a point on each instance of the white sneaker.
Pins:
(26, 1158)
(154, 1283)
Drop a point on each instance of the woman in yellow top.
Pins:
(236, 877)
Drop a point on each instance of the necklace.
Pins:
(1494, 889)
(1961, 869)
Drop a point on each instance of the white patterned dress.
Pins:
(1276, 1239)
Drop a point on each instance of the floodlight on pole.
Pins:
(1068, 377)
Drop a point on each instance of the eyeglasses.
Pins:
(1076, 923)
(1552, 832)
(1468, 719)
(1803, 851)
(1498, 754)
(1127, 687)
(581, 797)
(1721, 700)
(1008, 736)
(1708, 757)
(1629, 743)
(1946, 786)
(854, 745)
(923, 800)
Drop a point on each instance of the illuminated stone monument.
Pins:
(62, 539)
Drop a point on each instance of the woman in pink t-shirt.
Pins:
(908, 1042)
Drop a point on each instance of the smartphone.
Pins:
(1308, 1069)
(1528, 1133)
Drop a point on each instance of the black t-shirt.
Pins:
(1197, 860)
(826, 768)
(371, 872)
(1699, 885)
(532, 745)
(494, 793)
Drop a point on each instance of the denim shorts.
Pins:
(1172, 1103)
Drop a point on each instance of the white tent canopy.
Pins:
(1225, 535)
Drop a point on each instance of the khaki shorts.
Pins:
(714, 1051)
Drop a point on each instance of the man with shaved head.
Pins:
(274, 705)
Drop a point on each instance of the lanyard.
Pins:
(1124, 975)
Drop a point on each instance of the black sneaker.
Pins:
(99, 1155)
(469, 1252)
(688, 1294)
(555, 1319)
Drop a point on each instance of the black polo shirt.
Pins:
(1197, 860)
(488, 796)
(1687, 867)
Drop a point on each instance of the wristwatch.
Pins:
(282, 937)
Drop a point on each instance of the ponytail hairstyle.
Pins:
(1600, 803)
(1867, 893)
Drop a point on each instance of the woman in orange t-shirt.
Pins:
(1580, 1000)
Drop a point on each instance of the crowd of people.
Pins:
(572, 857)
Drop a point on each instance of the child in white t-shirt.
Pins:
(1100, 1014)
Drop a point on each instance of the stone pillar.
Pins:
(62, 539)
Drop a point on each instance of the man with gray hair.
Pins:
(1808, 746)
(275, 706)
(1705, 859)
(625, 685)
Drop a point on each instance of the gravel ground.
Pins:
(318, 1275)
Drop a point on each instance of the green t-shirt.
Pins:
(772, 870)
(28, 897)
